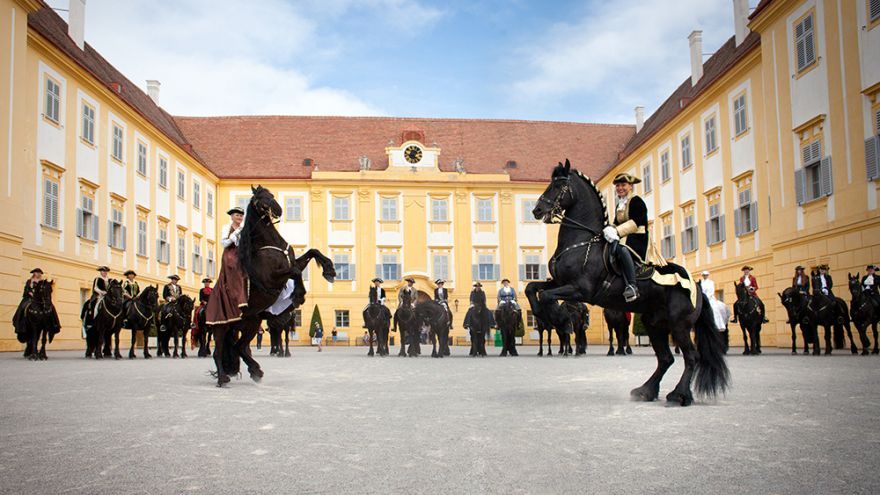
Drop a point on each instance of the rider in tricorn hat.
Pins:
(630, 230)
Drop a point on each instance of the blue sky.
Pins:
(589, 61)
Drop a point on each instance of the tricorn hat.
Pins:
(37, 270)
(207, 280)
(410, 280)
(377, 279)
(103, 268)
(505, 280)
(173, 277)
(127, 272)
(823, 266)
(799, 267)
(747, 267)
(439, 281)
(235, 209)
(625, 177)
(477, 284)
(871, 267)
(705, 272)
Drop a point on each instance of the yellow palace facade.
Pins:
(95, 172)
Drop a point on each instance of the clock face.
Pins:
(413, 154)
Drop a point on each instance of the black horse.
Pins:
(541, 326)
(140, 316)
(508, 322)
(175, 317)
(580, 320)
(551, 315)
(204, 332)
(377, 318)
(410, 328)
(618, 324)
(831, 312)
(436, 317)
(478, 321)
(269, 262)
(38, 321)
(864, 311)
(581, 272)
(106, 322)
(797, 306)
(750, 319)
(280, 326)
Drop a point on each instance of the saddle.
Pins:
(666, 275)
(644, 269)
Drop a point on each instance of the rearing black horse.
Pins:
(579, 273)
(269, 262)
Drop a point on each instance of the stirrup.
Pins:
(630, 293)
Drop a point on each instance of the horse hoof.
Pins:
(681, 399)
(621, 352)
(629, 350)
(643, 394)
(286, 353)
(865, 352)
(32, 357)
(610, 352)
(148, 356)
(875, 351)
(183, 356)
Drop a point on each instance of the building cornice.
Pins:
(30, 5)
(769, 14)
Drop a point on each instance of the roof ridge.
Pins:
(380, 117)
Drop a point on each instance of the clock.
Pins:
(413, 154)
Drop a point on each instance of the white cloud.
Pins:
(228, 57)
(620, 53)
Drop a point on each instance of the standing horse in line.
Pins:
(437, 318)
(269, 262)
(205, 332)
(797, 306)
(377, 318)
(508, 321)
(580, 320)
(864, 312)
(750, 319)
(141, 313)
(39, 322)
(107, 322)
(410, 328)
(581, 272)
(280, 326)
(618, 324)
(176, 318)
(550, 315)
(831, 312)
(478, 321)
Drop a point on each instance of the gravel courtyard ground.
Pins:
(340, 422)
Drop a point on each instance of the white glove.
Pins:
(610, 233)
(235, 236)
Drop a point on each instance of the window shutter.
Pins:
(695, 243)
(825, 176)
(708, 233)
(723, 230)
(378, 270)
(542, 272)
(399, 271)
(799, 186)
(672, 242)
(684, 244)
(79, 223)
(95, 224)
(124, 237)
(522, 272)
(809, 53)
(871, 154)
(497, 272)
(351, 272)
(737, 222)
(158, 250)
(475, 272)
(110, 233)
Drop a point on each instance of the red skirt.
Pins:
(229, 296)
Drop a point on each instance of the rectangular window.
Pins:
(532, 267)
(142, 159)
(163, 173)
(646, 178)
(297, 318)
(439, 210)
(342, 320)
(689, 235)
(243, 202)
(50, 203)
(529, 206)
(389, 209)
(209, 263)
(115, 229)
(874, 10)
(711, 143)
(181, 184)
(484, 210)
(181, 250)
(142, 237)
(340, 209)
(686, 160)
(197, 257)
(197, 195)
(530, 319)
(664, 166)
(441, 266)
(804, 42)
(163, 248)
(715, 225)
(87, 220)
(293, 209)
(740, 118)
(118, 143)
(210, 203)
(390, 269)
(814, 180)
(342, 266)
(486, 267)
(53, 101)
(667, 245)
(88, 123)
(746, 216)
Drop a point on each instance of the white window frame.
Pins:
(181, 185)
(142, 158)
(665, 172)
(163, 247)
(51, 197)
(740, 115)
(209, 202)
(532, 267)
(711, 135)
(197, 194)
(196, 257)
(342, 264)
(293, 211)
(163, 172)
(210, 267)
(486, 267)
(88, 123)
(485, 211)
(689, 239)
(439, 210)
(440, 265)
(646, 179)
(529, 205)
(686, 156)
(805, 43)
(342, 318)
(88, 218)
(116, 228)
(341, 208)
(667, 243)
(389, 209)
(390, 266)
(181, 251)
(142, 237)
(52, 102)
(117, 147)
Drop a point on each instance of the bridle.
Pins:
(265, 211)
(557, 215)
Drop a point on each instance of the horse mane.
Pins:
(595, 188)
(245, 243)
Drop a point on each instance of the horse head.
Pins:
(43, 292)
(264, 204)
(741, 292)
(855, 284)
(150, 297)
(113, 298)
(557, 197)
(569, 188)
(185, 305)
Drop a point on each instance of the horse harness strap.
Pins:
(589, 243)
(285, 251)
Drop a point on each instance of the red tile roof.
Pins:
(260, 147)
(718, 64)
(761, 6)
(52, 27)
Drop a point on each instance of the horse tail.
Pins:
(712, 374)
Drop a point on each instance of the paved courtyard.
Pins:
(340, 422)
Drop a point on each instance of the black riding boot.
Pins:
(630, 293)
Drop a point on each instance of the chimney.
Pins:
(696, 41)
(741, 19)
(76, 22)
(640, 117)
(153, 90)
